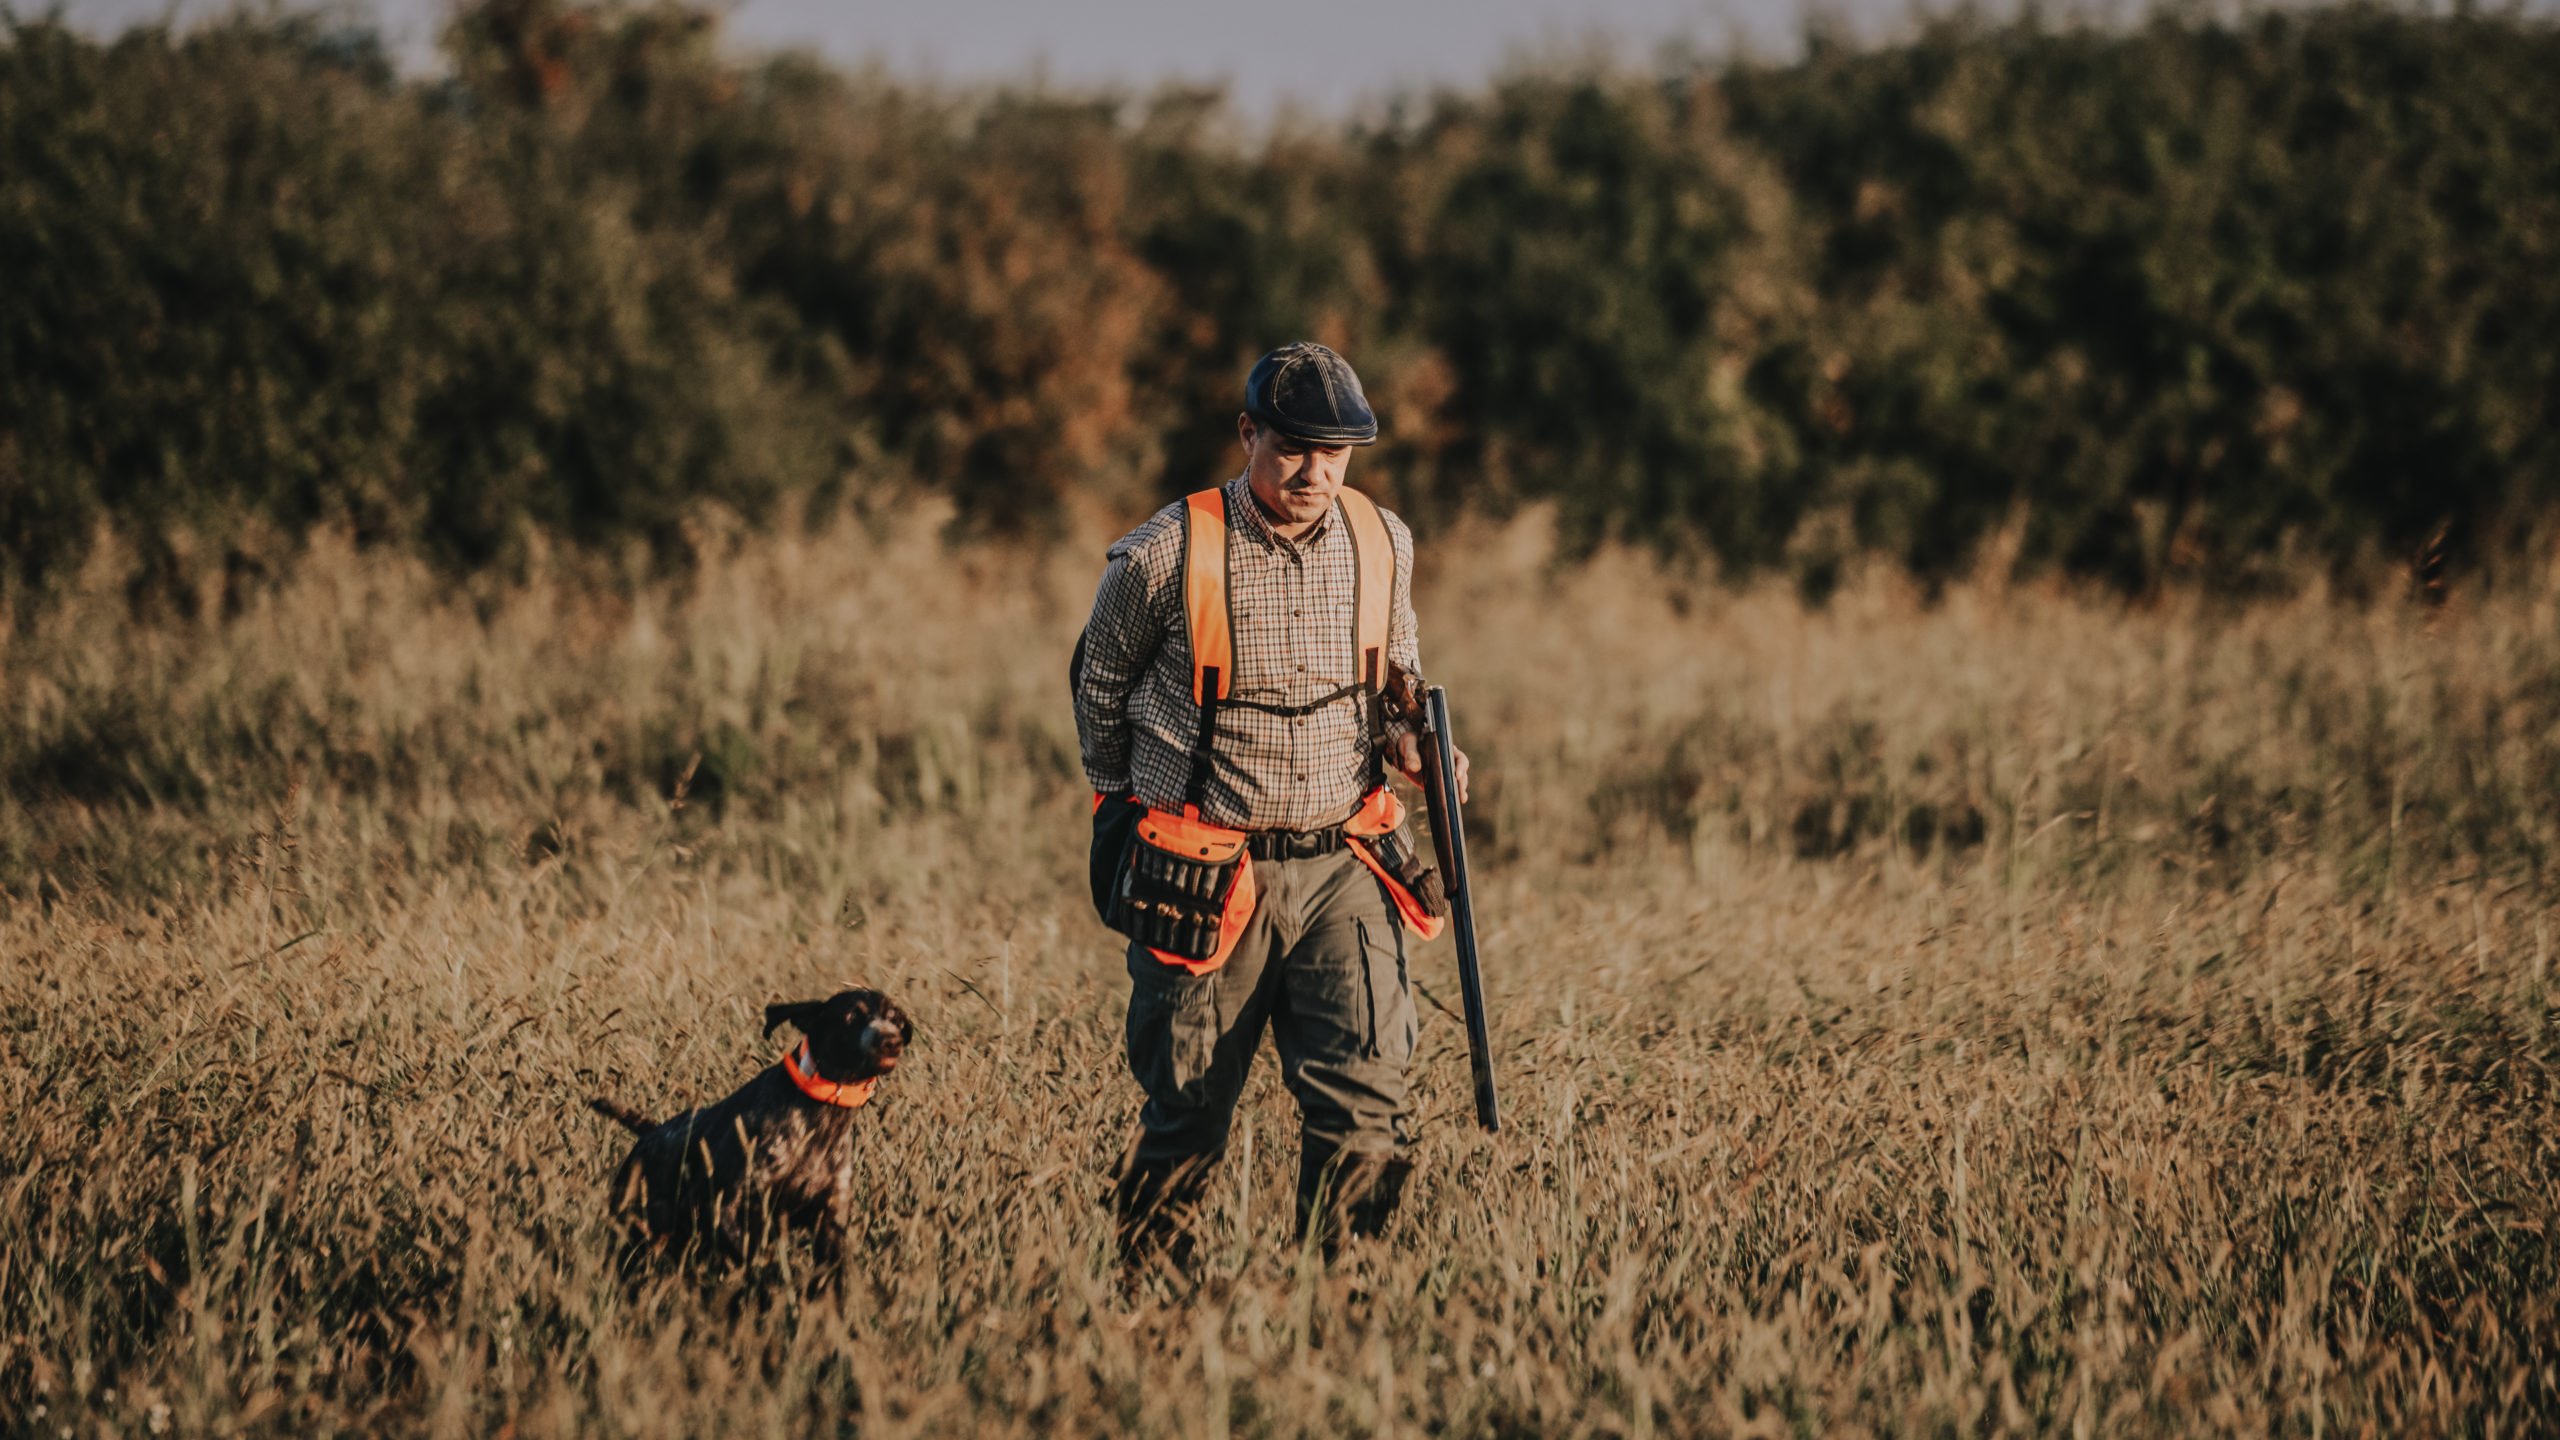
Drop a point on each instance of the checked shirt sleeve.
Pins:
(1120, 641)
(1404, 643)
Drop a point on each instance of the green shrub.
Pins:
(2195, 298)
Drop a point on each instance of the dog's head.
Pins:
(854, 1035)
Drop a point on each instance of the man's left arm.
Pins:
(1404, 644)
(1404, 659)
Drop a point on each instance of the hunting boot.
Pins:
(1348, 1197)
(1157, 1206)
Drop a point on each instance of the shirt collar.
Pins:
(1258, 524)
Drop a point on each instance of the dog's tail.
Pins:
(622, 1115)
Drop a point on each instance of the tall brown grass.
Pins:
(2012, 1013)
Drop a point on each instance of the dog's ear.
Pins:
(799, 1013)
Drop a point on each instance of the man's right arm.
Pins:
(1120, 641)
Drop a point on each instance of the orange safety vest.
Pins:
(1207, 608)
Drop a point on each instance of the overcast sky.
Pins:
(1323, 54)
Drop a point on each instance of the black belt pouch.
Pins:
(1115, 826)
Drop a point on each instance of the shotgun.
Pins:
(1449, 838)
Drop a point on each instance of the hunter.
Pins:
(1233, 699)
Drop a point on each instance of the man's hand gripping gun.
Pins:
(1427, 709)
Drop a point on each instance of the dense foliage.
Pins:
(2196, 297)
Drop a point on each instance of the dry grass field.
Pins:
(2015, 1013)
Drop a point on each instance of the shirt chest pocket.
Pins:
(1292, 646)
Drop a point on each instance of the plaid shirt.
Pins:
(1293, 644)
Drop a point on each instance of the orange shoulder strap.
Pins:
(1204, 595)
(1207, 613)
(1204, 591)
(1375, 554)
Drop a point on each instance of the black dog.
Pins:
(778, 1153)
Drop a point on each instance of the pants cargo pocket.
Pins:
(1386, 998)
(1368, 990)
(1173, 1034)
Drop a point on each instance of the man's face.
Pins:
(1294, 480)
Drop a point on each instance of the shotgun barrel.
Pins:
(1449, 838)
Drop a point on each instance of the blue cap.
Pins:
(1308, 393)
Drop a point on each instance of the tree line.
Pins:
(2197, 297)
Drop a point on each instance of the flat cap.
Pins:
(1308, 393)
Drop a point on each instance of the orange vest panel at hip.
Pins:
(1381, 812)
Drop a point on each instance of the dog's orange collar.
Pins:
(817, 1087)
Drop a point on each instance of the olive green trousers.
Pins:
(1322, 967)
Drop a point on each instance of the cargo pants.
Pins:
(1322, 966)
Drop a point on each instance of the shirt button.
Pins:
(1297, 613)
(1302, 779)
